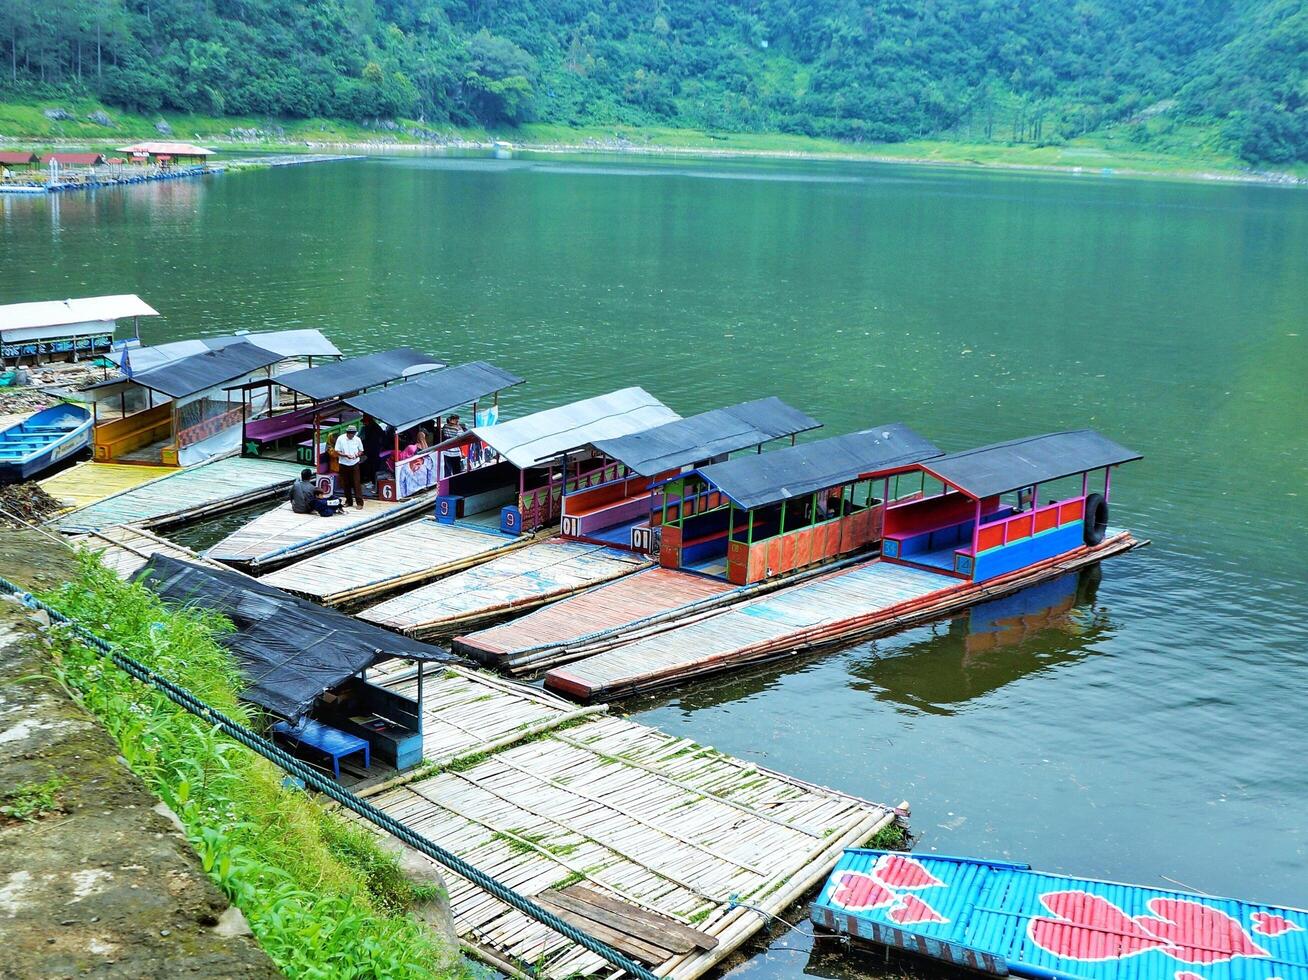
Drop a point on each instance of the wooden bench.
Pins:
(331, 742)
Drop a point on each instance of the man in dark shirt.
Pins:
(373, 439)
(305, 498)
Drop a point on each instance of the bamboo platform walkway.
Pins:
(281, 536)
(124, 550)
(613, 613)
(512, 583)
(184, 495)
(87, 483)
(562, 802)
(398, 558)
(547, 636)
(863, 601)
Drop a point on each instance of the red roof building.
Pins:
(15, 158)
(73, 159)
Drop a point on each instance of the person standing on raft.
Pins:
(349, 457)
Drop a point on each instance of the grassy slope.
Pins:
(320, 895)
(1184, 151)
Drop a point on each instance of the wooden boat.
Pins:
(392, 560)
(726, 532)
(279, 537)
(518, 471)
(1007, 920)
(504, 586)
(618, 512)
(39, 441)
(942, 551)
(176, 497)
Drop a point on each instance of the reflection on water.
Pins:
(990, 645)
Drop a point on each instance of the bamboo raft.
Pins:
(842, 607)
(512, 583)
(185, 495)
(281, 536)
(610, 614)
(604, 819)
(398, 558)
(124, 550)
(87, 483)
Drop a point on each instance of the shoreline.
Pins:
(1110, 168)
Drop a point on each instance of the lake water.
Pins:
(1145, 723)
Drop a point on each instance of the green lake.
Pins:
(1143, 723)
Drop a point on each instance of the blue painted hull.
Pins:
(42, 440)
(1005, 919)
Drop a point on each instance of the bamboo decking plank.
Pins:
(207, 488)
(280, 535)
(853, 603)
(410, 553)
(125, 550)
(87, 483)
(630, 599)
(537, 574)
(661, 832)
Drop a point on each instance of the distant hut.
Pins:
(166, 154)
(73, 159)
(18, 159)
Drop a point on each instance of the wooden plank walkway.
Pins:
(865, 600)
(546, 797)
(185, 495)
(400, 557)
(547, 636)
(87, 483)
(281, 536)
(512, 583)
(124, 550)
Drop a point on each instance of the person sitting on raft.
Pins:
(308, 499)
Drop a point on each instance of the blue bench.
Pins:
(330, 741)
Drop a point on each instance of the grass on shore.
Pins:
(1172, 150)
(322, 898)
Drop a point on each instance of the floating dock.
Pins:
(125, 550)
(100, 179)
(583, 811)
(281, 536)
(397, 558)
(610, 614)
(182, 496)
(512, 583)
(843, 607)
(87, 483)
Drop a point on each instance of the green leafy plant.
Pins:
(322, 897)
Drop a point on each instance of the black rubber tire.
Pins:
(1096, 518)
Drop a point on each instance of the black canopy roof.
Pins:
(755, 481)
(722, 430)
(1007, 466)
(198, 372)
(356, 373)
(433, 393)
(289, 649)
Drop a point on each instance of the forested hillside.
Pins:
(1026, 71)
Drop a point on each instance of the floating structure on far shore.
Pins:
(23, 173)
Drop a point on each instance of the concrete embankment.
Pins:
(95, 876)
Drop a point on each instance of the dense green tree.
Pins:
(885, 70)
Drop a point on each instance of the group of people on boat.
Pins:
(359, 452)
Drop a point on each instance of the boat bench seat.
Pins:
(602, 515)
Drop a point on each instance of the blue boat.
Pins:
(43, 439)
(1005, 919)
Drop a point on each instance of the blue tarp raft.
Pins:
(1006, 919)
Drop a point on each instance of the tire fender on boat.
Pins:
(1096, 518)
